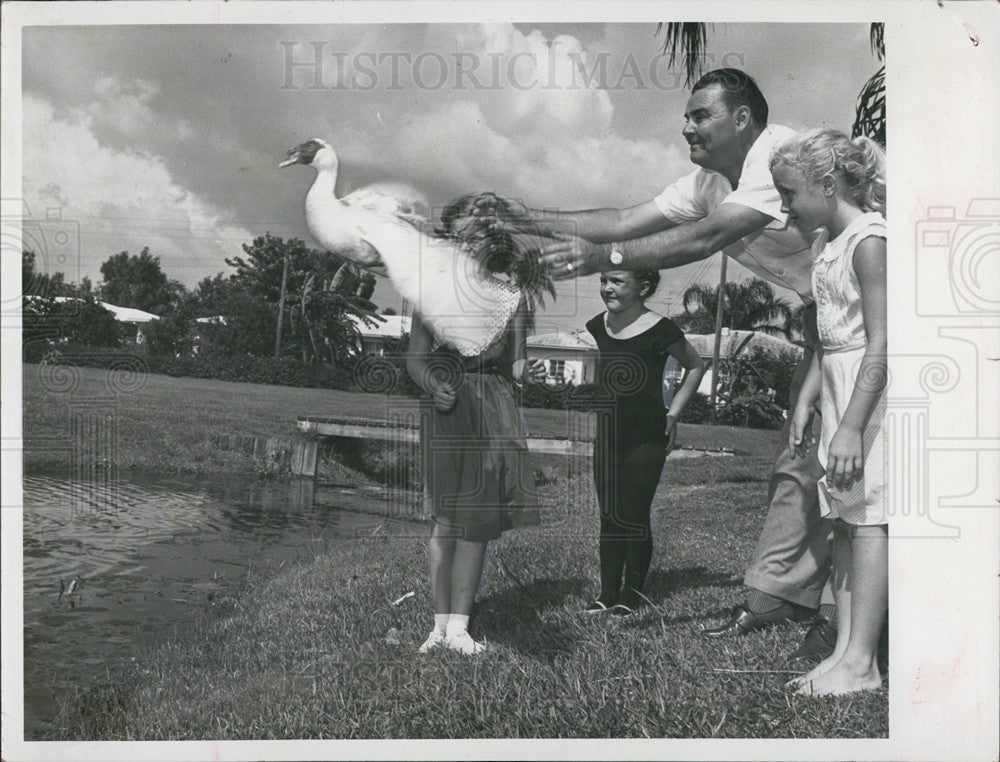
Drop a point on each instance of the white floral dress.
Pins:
(842, 334)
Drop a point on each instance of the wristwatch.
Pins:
(616, 256)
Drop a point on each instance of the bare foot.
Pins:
(842, 680)
(823, 667)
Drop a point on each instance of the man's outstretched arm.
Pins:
(574, 255)
(596, 225)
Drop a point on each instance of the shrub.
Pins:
(697, 410)
(47, 323)
(758, 370)
(224, 367)
(756, 411)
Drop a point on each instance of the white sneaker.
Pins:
(463, 643)
(435, 640)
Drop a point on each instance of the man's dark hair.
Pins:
(739, 89)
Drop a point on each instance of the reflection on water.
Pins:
(112, 564)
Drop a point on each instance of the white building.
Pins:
(740, 342)
(570, 356)
(375, 338)
(733, 343)
(129, 316)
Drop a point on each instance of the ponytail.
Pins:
(871, 160)
(860, 163)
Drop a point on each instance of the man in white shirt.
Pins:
(728, 204)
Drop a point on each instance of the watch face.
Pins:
(616, 257)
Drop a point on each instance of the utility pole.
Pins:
(281, 308)
(720, 304)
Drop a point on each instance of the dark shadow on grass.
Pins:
(662, 583)
(510, 617)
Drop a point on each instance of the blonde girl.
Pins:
(835, 186)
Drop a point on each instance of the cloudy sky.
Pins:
(169, 136)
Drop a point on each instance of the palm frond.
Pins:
(877, 37)
(869, 116)
(690, 40)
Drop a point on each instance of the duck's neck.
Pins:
(321, 193)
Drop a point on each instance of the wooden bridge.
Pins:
(404, 428)
(407, 430)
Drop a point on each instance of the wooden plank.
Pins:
(304, 458)
(411, 434)
(334, 428)
(406, 432)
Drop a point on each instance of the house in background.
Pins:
(740, 342)
(735, 343)
(570, 356)
(131, 319)
(388, 329)
(134, 319)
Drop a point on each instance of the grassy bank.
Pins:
(169, 424)
(322, 652)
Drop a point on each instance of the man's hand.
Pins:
(503, 213)
(571, 256)
(800, 438)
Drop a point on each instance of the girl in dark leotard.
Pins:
(634, 432)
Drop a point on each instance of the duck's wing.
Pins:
(393, 199)
(444, 284)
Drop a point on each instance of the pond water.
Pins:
(114, 564)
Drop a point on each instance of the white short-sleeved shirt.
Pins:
(778, 253)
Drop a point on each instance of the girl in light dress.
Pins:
(475, 456)
(835, 185)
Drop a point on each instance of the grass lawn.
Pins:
(168, 424)
(321, 651)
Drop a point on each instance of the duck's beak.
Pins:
(293, 158)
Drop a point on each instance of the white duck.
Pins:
(380, 228)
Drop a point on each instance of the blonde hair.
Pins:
(860, 163)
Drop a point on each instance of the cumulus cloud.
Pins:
(542, 87)
(120, 200)
(523, 116)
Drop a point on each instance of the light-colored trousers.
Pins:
(793, 556)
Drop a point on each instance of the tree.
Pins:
(869, 116)
(42, 284)
(247, 327)
(749, 306)
(138, 281)
(54, 311)
(210, 294)
(77, 320)
(322, 294)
